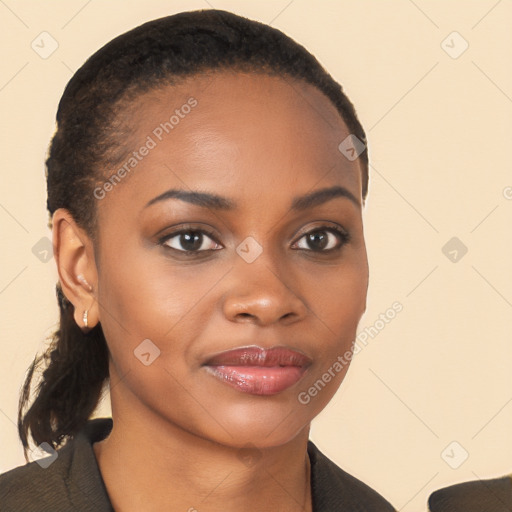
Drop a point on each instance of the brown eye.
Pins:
(323, 239)
(190, 241)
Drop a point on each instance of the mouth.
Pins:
(258, 371)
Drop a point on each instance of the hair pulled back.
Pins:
(87, 141)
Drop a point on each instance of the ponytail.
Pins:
(70, 388)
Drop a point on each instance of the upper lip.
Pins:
(253, 355)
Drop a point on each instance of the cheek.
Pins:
(151, 299)
(338, 311)
(145, 296)
(340, 301)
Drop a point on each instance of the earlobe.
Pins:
(74, 255)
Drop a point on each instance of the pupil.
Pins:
(318, 236)
(191, 241)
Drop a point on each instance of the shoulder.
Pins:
(493, 495)
(40, 482)
(334, 489)
(64, 480)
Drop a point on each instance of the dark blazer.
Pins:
(73, 482)
(479, 496)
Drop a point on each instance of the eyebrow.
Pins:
(216, 202)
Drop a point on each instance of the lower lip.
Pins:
(258, 380)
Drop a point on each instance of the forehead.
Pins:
(249, 133)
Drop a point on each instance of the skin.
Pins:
(179, 433)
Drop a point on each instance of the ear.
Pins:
(74, 255)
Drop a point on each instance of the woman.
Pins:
(205, 184)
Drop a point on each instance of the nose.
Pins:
(262, 293)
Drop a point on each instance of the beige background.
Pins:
(439, 133)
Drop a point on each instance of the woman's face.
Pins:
(259, 146)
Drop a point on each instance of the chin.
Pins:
(260, 426)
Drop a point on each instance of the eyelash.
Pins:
(342, 235)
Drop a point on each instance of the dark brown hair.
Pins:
(87, 141)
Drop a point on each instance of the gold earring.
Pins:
(84, 318)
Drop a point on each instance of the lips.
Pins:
(258, 371)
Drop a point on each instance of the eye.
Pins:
(324, 239)
(191, 240)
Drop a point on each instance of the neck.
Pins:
(150, 464)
